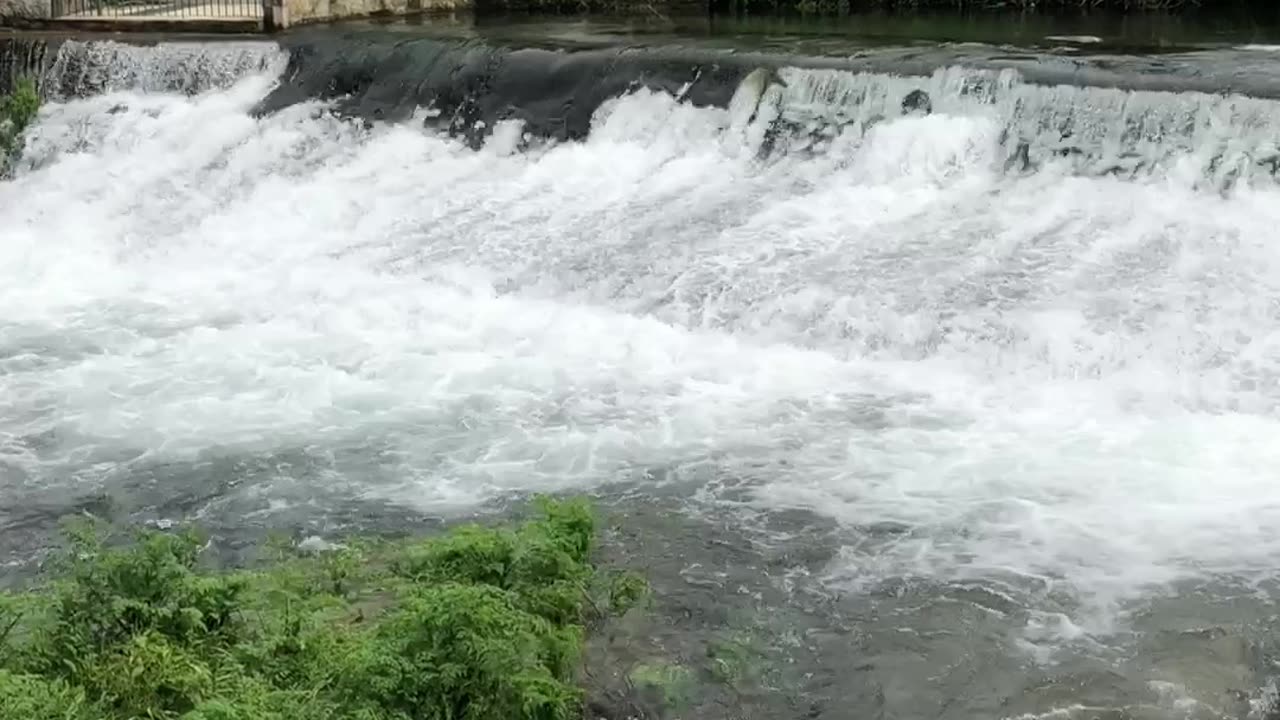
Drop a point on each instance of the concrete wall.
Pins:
(281, 14)
(16, 11)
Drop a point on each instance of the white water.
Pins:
(1063, 377)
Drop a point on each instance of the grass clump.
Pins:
(478, 624)
(17, 111)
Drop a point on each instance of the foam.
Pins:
(1050, 374)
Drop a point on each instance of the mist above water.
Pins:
(1053, 371)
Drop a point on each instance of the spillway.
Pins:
(1000, 374)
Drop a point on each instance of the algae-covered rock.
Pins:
(673, 684)
(735, 659)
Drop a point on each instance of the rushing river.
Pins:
(1012, 365)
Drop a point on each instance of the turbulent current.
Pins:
(1026, 344)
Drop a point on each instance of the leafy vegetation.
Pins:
(17, 111)
(478, 624)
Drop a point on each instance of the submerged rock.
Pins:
(917, 101)
(744, 105)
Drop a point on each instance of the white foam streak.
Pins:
(1061, 377)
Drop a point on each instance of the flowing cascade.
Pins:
(1096, 131)
(467, 90)
(1014, 341)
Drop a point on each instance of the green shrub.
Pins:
(477, 624)
(544, 564)
(33, 698)
(469, 652)
(149, 676)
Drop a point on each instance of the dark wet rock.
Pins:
(1064, 689)
(1216, 666)
(1020, 160)
(812, 558)
(984, 597)
(886, 528)
(610, 694)
(917, 102)
(723, 637)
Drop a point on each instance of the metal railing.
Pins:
(157, 9)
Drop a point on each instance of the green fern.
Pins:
(478, 624)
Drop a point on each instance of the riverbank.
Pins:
(480, 623)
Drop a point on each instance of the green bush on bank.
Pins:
(17, 111)
(478, 624)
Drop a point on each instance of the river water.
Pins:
(1000, 380)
